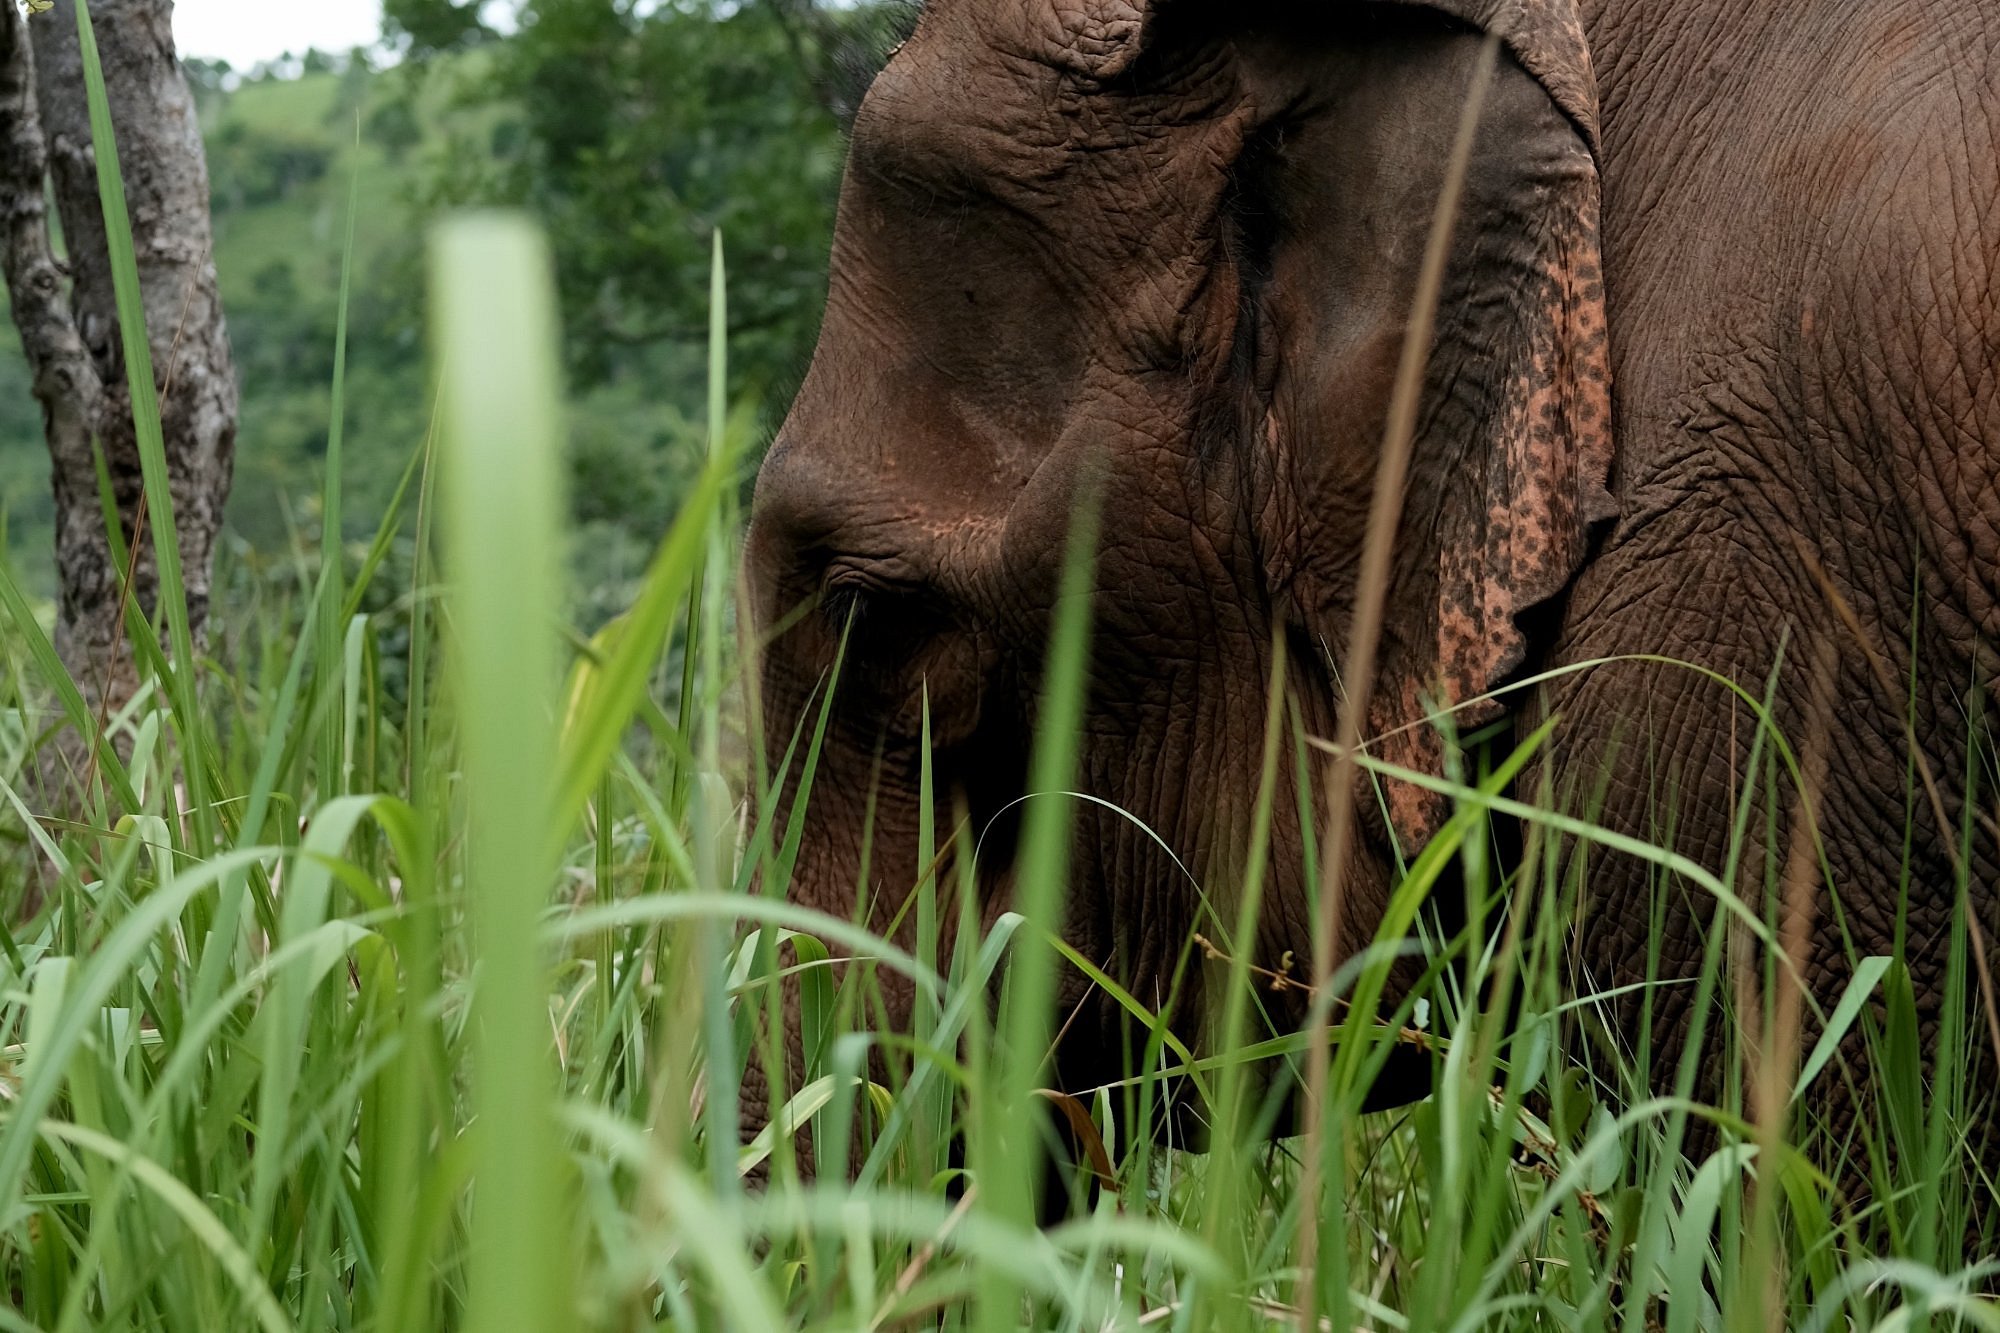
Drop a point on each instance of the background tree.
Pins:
(434, 25)
(66, 311)
(698, 115)
(637, 131)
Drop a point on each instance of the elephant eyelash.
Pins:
(874, 613)
(853, 603)
(843, 608)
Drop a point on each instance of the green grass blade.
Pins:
(1008, 1149)
(611, 693)
(494, 329)
(333, 598)
(189, 1208)
(146, 426)
(57, 677)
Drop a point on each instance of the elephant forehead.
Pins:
(963, 109)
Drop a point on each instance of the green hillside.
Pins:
(283, 155)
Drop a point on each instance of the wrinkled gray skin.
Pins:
(1183, 238)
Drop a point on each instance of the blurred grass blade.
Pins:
(494, 324)
(185, 1204)
(106, 968)
(284, 1014)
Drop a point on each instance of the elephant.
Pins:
(1711, 394)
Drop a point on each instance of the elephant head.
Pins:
(1173, 245)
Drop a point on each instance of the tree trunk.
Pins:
(166, 188)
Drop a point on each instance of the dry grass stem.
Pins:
(1384, 517)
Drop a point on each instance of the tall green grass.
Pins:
(365, 1005)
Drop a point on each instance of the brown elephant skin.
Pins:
(1715, 377)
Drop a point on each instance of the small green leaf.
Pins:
(1570, 1105)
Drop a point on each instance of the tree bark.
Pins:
(166, 188)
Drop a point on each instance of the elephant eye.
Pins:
(901, 648)
(878, 610)
(844, 606)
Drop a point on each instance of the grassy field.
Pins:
(406, 981)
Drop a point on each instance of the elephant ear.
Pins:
(1518, 525)
(1547, 38)
(1094, 40)
(1514, 450)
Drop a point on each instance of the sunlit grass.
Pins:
(422, 998)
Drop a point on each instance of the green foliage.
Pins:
(393, 125)
(282, 153)
(435, 25)
(263, 166)
(634, 135)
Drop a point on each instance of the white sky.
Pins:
(244, 32)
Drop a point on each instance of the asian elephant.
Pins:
(1715, 377)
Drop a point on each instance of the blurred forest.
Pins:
(633, 130)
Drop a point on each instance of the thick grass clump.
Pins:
(401, 971)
